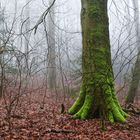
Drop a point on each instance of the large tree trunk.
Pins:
(97, 95)
(132, 92)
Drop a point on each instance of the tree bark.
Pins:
(97, 96)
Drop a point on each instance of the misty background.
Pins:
(21, 16)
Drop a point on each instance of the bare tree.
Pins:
(51, 49)
(27, 35)
(2, 48)
(136, 70)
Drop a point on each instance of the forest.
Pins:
(69, 70)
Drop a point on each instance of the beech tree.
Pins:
(97, 95)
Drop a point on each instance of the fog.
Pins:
(68, 29)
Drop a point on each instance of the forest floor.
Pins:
(33, 120)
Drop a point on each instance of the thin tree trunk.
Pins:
(2, 31)
(27, 35)
(51, 50)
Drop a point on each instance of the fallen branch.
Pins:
(60, 131)
(17, 116)
(132, 109)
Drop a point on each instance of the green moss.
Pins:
(94, 9)
(110, 117)
(117, 115)
(79, 102)
(85, 111)
(99, 31)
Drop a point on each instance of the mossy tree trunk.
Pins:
(132, 92)
(97, 95)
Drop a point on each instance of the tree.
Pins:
(97, 95)
(51, 49)
(27, 35)
(136, 70)
(2, 48)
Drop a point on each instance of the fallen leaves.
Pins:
(32, 123)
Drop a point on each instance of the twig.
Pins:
(132, 109)
(60, 131)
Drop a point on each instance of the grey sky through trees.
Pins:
(68, 19)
